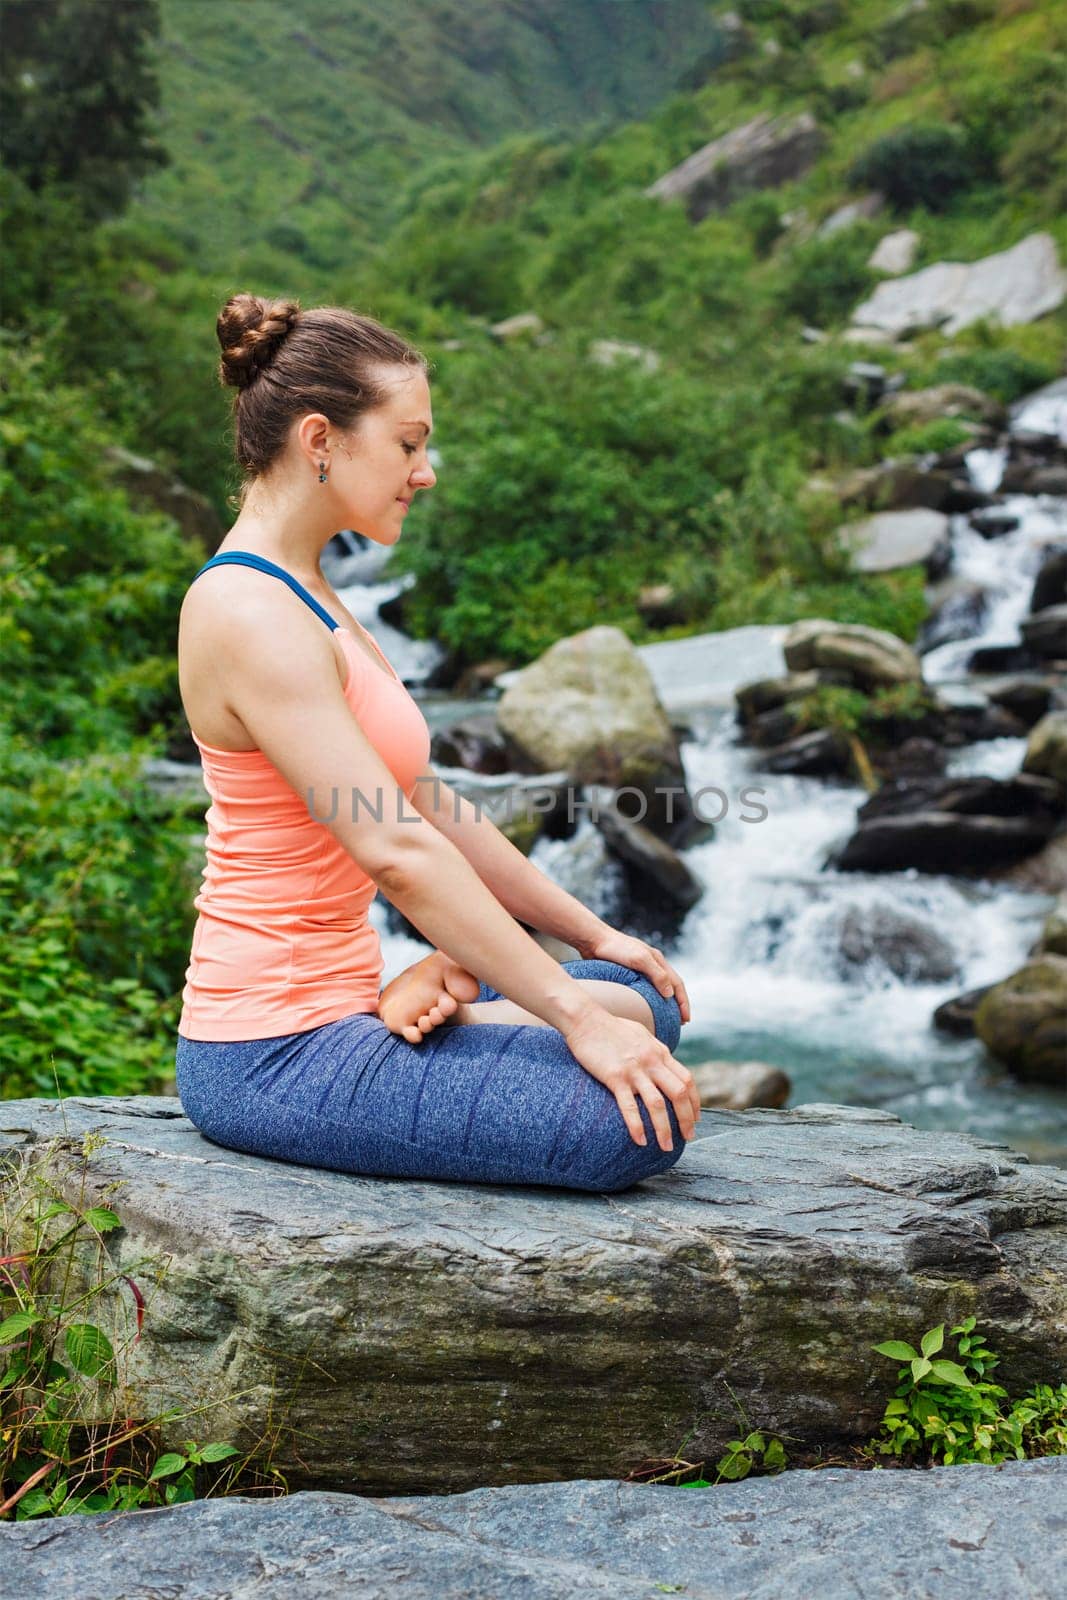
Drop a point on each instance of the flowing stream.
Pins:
(764, 954)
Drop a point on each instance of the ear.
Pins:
(312, 432)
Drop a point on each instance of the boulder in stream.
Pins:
(1053, 940)
(1045, 632)
(961, 825)
(892, 539)
(958, 610)
(870, 657)
(660, 871)
(588, 706)
(425, 1337)
(1050, 585)
(913, 408)
(1023, 1021)
(1046, 748)
(956, 1015)
(911, 949)
(897, 484)
(739, 1085)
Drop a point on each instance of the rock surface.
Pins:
(588, 706)
(953, 1533)
(1046, 748)
(760, 154)
(470, 1333)
(1023, 1021)
(895, 252)
(912, 408)
(870, 657)
(739, 1085)
(892, 539)
(1016, 285)
(946, 824)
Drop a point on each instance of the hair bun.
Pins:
(251, 331)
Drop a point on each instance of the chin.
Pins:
(378, 533)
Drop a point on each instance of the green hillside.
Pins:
(298, 127)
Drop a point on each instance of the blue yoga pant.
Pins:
(474, 1102)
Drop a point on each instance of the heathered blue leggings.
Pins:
(474, 1102)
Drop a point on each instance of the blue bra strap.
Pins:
(246, 558)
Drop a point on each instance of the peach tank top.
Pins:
(282, 942)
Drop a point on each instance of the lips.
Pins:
(404, 503)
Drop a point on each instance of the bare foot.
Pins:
(423, 996)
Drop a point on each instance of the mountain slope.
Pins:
(296, 128)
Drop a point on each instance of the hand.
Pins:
(630, 1061)
(607, 944)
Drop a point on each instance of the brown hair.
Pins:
(285, 362)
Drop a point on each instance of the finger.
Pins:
(660, 972)
(630, 1114)
(681, 994)
(656, 1106)
(678, 1090)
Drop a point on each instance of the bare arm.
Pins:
(283, 687)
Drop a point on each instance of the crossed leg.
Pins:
(437, 990)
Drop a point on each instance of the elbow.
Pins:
(403, 870)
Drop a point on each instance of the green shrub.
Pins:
(1003, 372)
(822, 279)
(943, 433)
(921, 164)
(96, 888)
(949, 1411)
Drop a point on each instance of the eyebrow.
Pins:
(417, 422)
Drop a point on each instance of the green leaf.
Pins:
(167, 1465)
(919, 1368)
(102, 1218)
(774, 1457)
(933, 1340)
(218, 1452)
(88, 1348)
(897, 1349)
(896, 1408)
(17, 1324)
(33, 1504)
(950, 1372)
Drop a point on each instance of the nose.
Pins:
(424, 476)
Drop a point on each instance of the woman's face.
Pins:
(382, 463)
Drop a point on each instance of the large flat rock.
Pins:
(955, 1533)
(434, 1336)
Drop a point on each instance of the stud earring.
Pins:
(322, 472)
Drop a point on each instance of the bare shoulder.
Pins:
(239, 629)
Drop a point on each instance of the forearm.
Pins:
(441, 893)
(519, 886)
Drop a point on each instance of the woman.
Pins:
(287, 1047)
